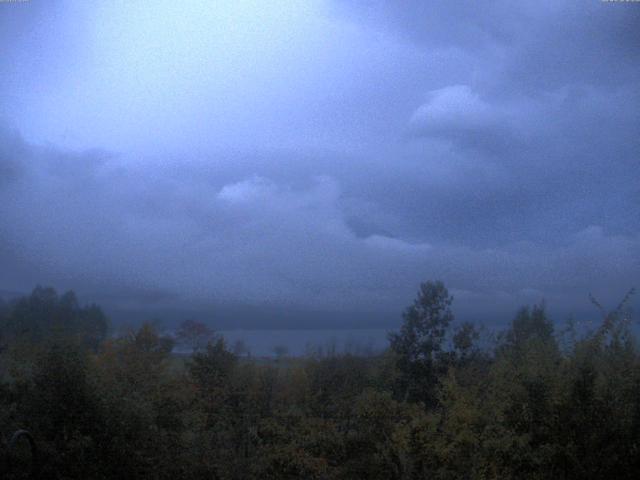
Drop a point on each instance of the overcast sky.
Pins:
(321, 154)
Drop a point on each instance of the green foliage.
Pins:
(419, 344)
(435, 405)
(530, 329)
(44, 316)
(194, 334)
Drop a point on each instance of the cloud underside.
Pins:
(331, 155)
(84, 220)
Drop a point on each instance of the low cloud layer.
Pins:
(499, 154)
(88, 222)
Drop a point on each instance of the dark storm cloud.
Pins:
(11, 148)
(493, 146)
(537, 44)
(554, 163)
(107, 230)
(544, 134)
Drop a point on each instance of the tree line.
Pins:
(537, 402)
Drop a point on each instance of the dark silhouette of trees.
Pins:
(439, 403)
(419, 344)
(45, 316)
(194, 335)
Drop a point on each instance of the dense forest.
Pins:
(538, 401)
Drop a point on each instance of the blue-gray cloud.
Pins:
(325, 156)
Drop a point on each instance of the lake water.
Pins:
(263, 343)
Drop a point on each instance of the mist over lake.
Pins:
(261, 343)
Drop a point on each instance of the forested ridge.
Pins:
(539, 401)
